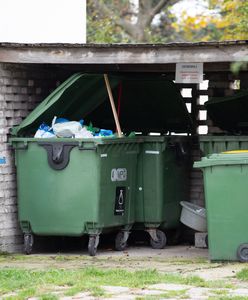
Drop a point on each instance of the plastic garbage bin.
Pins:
(226, 189)
(163, 181)
(68, 186)
(210, 144)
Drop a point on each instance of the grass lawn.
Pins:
(18, 282)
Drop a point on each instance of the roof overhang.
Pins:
(94, 54)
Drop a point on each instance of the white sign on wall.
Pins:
(189, 72)
(43, 21)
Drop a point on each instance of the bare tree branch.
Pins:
(145, 15)
(156, 9)
(128, 27)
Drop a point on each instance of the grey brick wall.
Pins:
(22, 87)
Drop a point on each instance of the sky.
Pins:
(43, 21)
(192, 7)
(60, 21)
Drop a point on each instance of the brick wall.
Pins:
(22, 87)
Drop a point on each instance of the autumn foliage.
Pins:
(152, 21)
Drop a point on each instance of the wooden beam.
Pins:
(121, 54)
(167, 69)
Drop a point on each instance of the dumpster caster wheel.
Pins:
(160, 241)
(121, 240)
(206, 240)
(28, 243)
(92, 245)
(242, 253)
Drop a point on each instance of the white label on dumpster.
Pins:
(189, 73)
(151, 152)
(119, 174)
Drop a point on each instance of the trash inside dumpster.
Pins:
(72, 183)
(225, 184)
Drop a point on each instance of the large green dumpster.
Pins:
(226, 189)
(163, 181)
(210, 144)
(75, 186)
(72, 187)
(230, 113)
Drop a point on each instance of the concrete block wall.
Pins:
(22, 87)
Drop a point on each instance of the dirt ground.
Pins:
(185, 260)
(177, 259)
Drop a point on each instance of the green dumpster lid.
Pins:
(223, 159)
(230, 113)
(147, 103)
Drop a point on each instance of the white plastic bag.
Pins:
(66, 129)
(44, 131)
(83, 133)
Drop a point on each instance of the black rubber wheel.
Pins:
(91, 246)
(120, 245)
(161, 242)
(28, 243)
(242, 253)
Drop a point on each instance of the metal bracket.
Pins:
(97, 239)
(58, 154)
(125, 236)
(153, 233)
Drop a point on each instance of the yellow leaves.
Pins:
(221, 23)
(190, 26)
(230, 5)
(228, 20)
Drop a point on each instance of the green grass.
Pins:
(220, 292)
(243, 274)
(32, 282)
(48, 297)
(88, 279)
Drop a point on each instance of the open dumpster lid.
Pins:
(145, 102)
(230, 113)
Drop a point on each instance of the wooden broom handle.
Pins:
(117, 123)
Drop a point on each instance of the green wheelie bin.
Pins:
(68, 186)
(163, 181)
(226, 189)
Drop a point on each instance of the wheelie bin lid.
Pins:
(145, 103)
(235, 157)
(230, 113)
